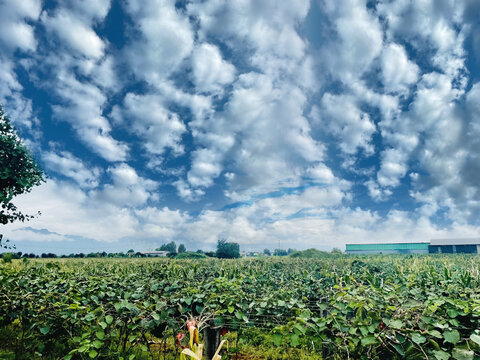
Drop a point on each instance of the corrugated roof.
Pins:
(466, 241)
(388, 246)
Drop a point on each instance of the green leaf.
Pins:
(441, 355)
(451, 336)
(67, 357)
(93, 353)
(435, 333)
(475, 338)
(369, 340)
(295, 340)
(231, 309)
(399, 349)
(277, 339)
(103, 324)
(98, 344)
(45, 330)
(218, 321)
(418, 339)
(462, 354)
(109, 319)
(155, 316)
(396, 324)
(100, 334)
(144, 348)
(452, 313)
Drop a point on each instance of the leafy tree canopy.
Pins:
(181, 248)
(170, 247)
(227, 250)
(19, 172)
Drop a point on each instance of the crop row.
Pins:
(340, 307)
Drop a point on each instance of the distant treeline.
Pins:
(225, 250)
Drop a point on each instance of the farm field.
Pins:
(337, 307)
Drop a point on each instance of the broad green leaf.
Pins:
(155, 316)
(475, 338)
(45, 330)
(103, 324)
(435, 333)
(396, 324)
(462, 354)
(109, 319)
(93, 354)
(277, 339)
(98, 344)
(100, 334)
(399, 349)
(295, 340)
(441, 355)
(451, 336)
(452, 313)
(369, 340)
(231, 309)
(418, 339)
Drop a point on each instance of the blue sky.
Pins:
(309, 123)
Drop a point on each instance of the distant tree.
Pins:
(7, 257)
(131, 252)
(211, 253)
(170, 247)
(200, 251)
(103, 254)
(267, 252)
(19, 173)
(181, 248)
(336, 251)
(280, 252)
(290, 251)
(227, 250)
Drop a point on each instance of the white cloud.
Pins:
(348, 123)
(73, 32)
(398, 72)
(165, 40)
(83, 108)
(147, 117)
(15, 32)
(210, 72)
(70, 166)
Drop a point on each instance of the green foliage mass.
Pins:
(337, 307)
(310, 254)
(19, 172)
(227, 250)
(190, 255)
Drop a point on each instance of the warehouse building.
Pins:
(435, 246)
(454, 246)
(388, 248)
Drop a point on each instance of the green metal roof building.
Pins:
(388, 248)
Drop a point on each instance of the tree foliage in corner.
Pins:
(227, 250)
(19, 172)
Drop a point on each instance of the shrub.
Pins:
(7, 257)
(190, 255)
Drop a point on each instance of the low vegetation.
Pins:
(335, 307)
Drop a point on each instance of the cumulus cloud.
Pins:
(210, 72)
(70, 166)
(156, 126)
(74, 33)
(397, 70)
(15, 32)
(255, 103)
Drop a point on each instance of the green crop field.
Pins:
(337, 307)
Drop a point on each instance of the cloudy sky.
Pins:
(305, 123)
